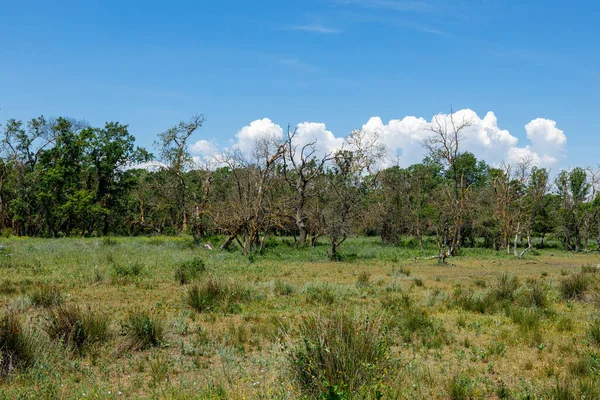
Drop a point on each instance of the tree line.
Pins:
(63, 177)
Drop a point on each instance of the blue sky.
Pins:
(337, 62)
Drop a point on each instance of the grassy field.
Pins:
(158, 317)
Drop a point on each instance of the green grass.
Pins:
(160, 317)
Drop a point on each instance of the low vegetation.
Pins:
(161, 317)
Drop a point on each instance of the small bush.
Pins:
(18, 348)
(143, 331)
(77, 328)
(189, 270)
(283, 288)
(338, 356)
(363, 280)
(574, 287)
(46, 296)
(214, 295)
(418, 282)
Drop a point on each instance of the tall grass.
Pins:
(216, 295)
(46, 296)
(18, 346)
(189, 270)
(143, 330)
(77, 328)
(573, 287)
(339, 356)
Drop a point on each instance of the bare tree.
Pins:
(353, 171)
(249, 210)
(300, 168)
(444, 144)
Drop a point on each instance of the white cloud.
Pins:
(483, 137)
(203, 148)
(404, 138)
(261, 128)
(325, 141)
(546, 138)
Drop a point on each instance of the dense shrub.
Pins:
(339, 356)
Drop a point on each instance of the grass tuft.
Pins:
(460, 387)
(283, 288)
(339, 356)
(215, 295)
(46, 296)
(77, 328)
(18, 347)
(143, 330)
(363, 280)
(506, 287)
(189, 270)
(573, 287)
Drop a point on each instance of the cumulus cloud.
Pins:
(483, 137)
(203, 148)
(546, 138)
(259, 129)
(315, 132)
(404, 138)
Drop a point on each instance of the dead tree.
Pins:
(300, 167)
(444, 145)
